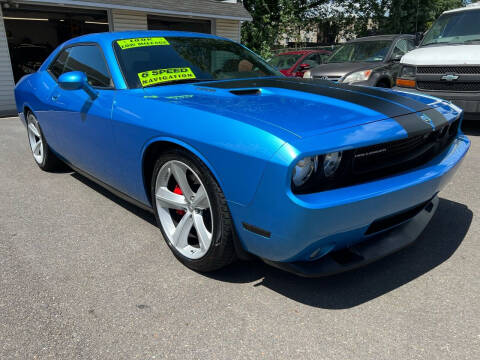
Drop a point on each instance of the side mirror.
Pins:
(305, 67)
(397, 57)
(76, 80)
(418, 38)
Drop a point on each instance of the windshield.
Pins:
(361, 51)
(158, 61)
(454, 28)
(285, 61)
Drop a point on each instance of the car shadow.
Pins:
(143, 214)
(436, 244)
(471, 127)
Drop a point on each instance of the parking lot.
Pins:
(85, 275)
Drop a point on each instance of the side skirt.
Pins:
(111, 189)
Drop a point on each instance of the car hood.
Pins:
(341, 69)
(444, 55)
(300, 107)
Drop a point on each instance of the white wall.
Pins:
(7, 100)
(129, 20)
(228, 28)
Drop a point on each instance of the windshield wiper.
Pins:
(181, 81)
(471, 41)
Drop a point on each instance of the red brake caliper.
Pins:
(178, 191)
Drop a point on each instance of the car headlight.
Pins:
(406, 76)
(331, 163)
(407, 72)
(358, 76)
(322, 167)
(307, 74)
(303, 170)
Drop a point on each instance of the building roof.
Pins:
(196, 8)
(108, 37)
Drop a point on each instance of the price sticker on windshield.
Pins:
(141, 42)
(159, 76)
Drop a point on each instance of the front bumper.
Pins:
(469, 102)
(365, 252)
(301, 229)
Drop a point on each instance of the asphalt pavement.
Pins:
(85, 275)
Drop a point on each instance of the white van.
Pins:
(447, 62)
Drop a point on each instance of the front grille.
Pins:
(448, 70)
(395, 156)
(397, 219)
(378, 161)
(449, 86)
(331, 78)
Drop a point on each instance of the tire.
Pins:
(43, 156)
(383, 84)
(182, 212)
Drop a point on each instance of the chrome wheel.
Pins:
(184, 209)
(35, 139)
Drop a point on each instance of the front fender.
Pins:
(236, 152)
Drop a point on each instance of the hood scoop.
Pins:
(246, 92)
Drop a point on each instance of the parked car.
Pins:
(27, 58)
(370, 61)
(447, 62)
(311, 176)
(295, 63)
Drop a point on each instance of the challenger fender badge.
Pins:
(426, 119)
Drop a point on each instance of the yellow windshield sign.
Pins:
(159, 76)
(141, 42)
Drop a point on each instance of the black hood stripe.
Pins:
(402, 108)
(437, 119)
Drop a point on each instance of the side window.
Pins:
(410, 44)
(311, 60)
(57, 67)
(89, 59)
(402, 47)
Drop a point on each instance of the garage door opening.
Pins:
(179, 24)
(33, 32)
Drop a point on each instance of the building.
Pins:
(31, 29)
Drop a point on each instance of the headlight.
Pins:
(406, 76)
(407, 72)
(358, 76)
(307, 74)
(331, 162)
(304, 170)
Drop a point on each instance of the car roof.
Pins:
(303, 52)
(118, 35)
(382, 37)
(473, 6)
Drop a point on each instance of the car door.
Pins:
(83, 125)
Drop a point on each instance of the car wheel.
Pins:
(192, 212)
(42, 154)
(383, 84)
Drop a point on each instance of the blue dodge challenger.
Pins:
(236, 160)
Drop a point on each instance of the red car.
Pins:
(295, 63)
